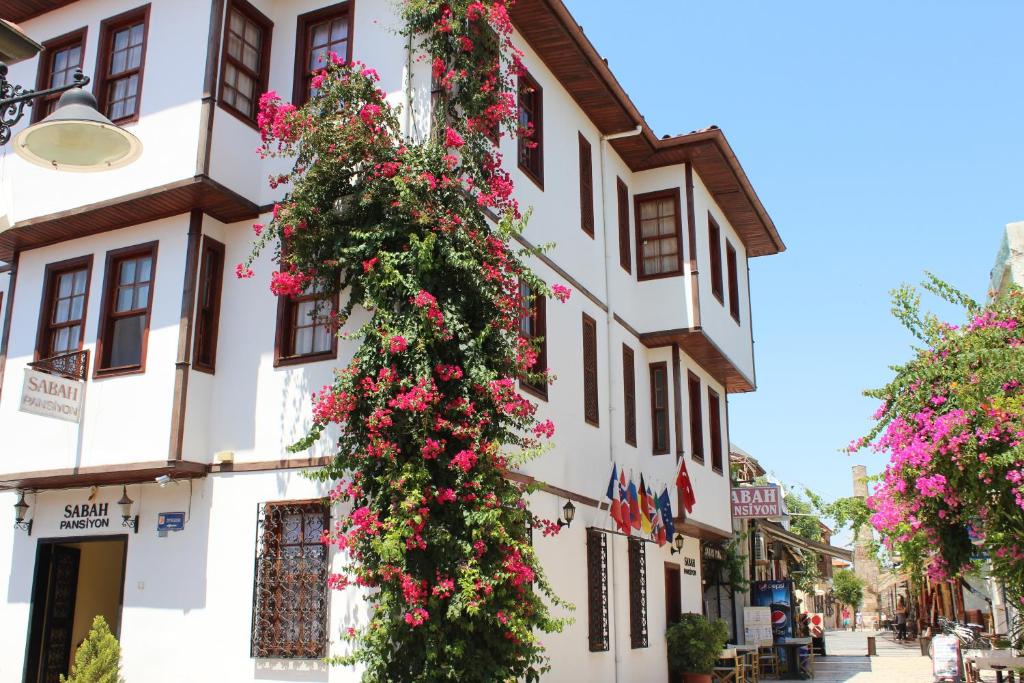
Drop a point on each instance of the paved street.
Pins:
(847, 661)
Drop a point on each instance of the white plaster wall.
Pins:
(168, 126)
(126, 419)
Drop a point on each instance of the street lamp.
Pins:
(127, 519)
(569, 512)
(20, 508)
(76, 136)
(677, 544)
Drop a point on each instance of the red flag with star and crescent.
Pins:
(686, 496)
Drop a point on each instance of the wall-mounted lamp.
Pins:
(677, 544)
(132, 522)
(569, 512)
(20, 508)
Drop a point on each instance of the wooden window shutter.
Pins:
(591, 409)
(696, 418)
(625, 253)
(734, 280)
(586, 187)
(659, 408)
(597, 590)
(629, 393)
(715, 419)
(637, 593)
(715, 251)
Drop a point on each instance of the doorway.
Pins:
(75, 580)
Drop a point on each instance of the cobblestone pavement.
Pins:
(847, 660)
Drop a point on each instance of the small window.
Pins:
(319, 34)
(659, 235)
(122, 59)
(211, 279)
(533, 326)
(290, 598)
(127, 304)
(659, 408)
(531, 129)
(586, 187)
(597, 591)
(629, 393)
(734, 281)
(591, 405)
(625, 253)
(715, 420)
(696, 417)
(638, 634)
(305, 331)
(57, 64)
(65, 300)
(715, 250)
(246, 59)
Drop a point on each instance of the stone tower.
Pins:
(865, 564)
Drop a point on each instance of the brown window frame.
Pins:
(102, 80)
(625, 250)
(107, 317)
(715, 428)
(45, 328)
(586, 186)
(270, 579)
(715, 257)
(640, 199)
(591, 393)
(285, 331)
(260, 78)
(208, 293)
(733, 279)
(43, 74)
(655, 370)
(638, 630)
(302, 74)
(694, 397)
(539, 312)
(598, 623)
(629, 393)
(533, 157)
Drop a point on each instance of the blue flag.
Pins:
(665, 503)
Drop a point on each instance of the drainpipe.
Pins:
(609, 317)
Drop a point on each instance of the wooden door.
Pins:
(673, 594)
(61, 590)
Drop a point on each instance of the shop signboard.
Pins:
(945, 658)
(52, 396)
(170, 521)
(756, 502)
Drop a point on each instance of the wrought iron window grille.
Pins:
(637, 594)
(73, 365)
(290, 594)
(597, 590)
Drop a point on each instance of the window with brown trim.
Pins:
(638, 633)
(659, 408)
(715, 250)
(211, 279)
(659, 234)
(246, 59)
(591, 405)
(60, 58)
(715, 425)
(696, 417)
(533, 327)
(319, 33)
(290, 595)
(125, 312)
(734, 280)
(305, 331)
(629, 393)
(121, 64)
(531, 129)
(62, 313)
(586, 187)
(625, 253)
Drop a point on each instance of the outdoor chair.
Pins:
(730, 667)
(767, 660)
(752, 665)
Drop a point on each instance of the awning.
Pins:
(777, 532)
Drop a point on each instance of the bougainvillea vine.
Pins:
(417, 234)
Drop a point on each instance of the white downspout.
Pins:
(609, 317)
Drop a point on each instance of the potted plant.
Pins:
(694, 645)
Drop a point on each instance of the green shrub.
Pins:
(694, 644)
(98, 659)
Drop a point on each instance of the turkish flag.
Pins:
(686, 496)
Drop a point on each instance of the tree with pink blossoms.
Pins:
(952, 424)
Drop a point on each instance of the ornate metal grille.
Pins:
(597, 589)
(71, 365)
(637, 593)
(289, 611)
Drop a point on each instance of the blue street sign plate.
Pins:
(170, 521)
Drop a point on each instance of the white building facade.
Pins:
(193, 377)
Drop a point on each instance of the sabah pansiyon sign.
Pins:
(756, 501)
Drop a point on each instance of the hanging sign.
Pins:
(756, 501)
(946, 658)
(170, 521)
(52, 396)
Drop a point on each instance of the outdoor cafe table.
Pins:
(998, 660)
(792, 646)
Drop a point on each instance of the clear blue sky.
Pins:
(885, 139)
